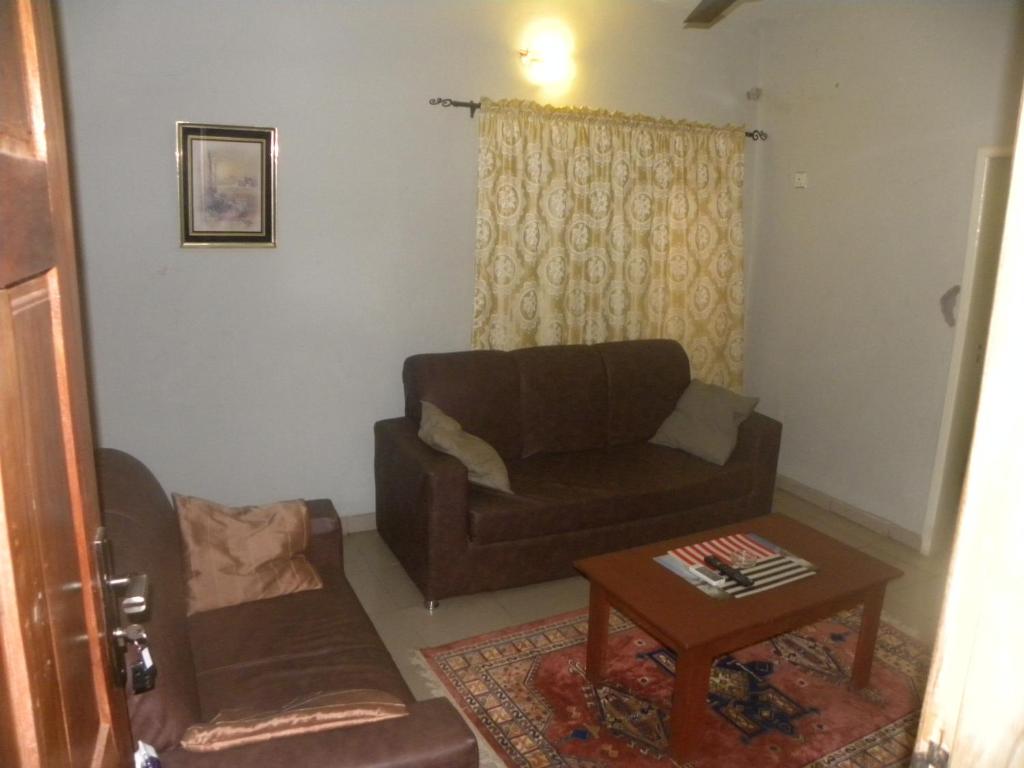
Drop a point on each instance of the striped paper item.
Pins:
(770, 573)
(772, 569)
(727, 548)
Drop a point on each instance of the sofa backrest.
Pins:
(143, 530)
(563, 399)
(553, 399)
(645, 381)
(478, 389)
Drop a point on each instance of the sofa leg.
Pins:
(431, 605)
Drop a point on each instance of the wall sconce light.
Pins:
(546, 54)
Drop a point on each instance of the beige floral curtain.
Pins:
(595, 226)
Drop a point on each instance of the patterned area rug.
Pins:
(785, 702)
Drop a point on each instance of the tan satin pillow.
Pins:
(319, 712)
(238, 554)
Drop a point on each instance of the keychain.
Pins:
(146, 756)
(143, 671)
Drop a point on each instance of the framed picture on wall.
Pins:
(227, 185)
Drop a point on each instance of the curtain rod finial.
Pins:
(446, 102)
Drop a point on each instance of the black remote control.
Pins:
(713, 562)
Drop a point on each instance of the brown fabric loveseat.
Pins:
(572, 424)
(263, 654)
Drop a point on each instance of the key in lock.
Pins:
(143, 671)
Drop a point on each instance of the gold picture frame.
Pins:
(227, 185)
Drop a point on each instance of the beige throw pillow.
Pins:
(238, 554)
(445, 434)
(319, 712)
(705, 422)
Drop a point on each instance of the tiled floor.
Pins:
(396, 606)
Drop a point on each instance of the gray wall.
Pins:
(251, 375)
(885, 105)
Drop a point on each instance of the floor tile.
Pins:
(797, 508)
(831, 524)
(383, 589)
(920, 619)
(538, 601)
(398, 633)
(901, 555)
(412, 670)
(371, 548)
(352, 547)
(918, 588)
(455, 619)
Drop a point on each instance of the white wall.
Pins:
(251, 375)
(884, 104)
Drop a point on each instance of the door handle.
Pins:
(124, 597)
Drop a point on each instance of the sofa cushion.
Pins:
(558, 493)
(239, 554)
(263, 655)
(144, 536)
(705, 422)
(443, 433)
(564, 399)
(479, 389)
(645, 380)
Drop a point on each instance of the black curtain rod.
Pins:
(473, 106)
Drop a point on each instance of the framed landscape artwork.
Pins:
(227, 180)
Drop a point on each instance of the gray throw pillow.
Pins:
(705, 422)
(443, 433)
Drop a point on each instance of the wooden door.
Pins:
(974, 712)
(59, 704)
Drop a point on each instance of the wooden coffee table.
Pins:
(700, 628)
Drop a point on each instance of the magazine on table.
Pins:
(739, 565)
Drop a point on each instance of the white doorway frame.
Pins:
(932, 522)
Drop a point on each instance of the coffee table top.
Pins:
(679, 614)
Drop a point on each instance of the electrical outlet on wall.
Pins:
(800, 179)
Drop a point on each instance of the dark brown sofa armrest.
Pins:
(323, 517)
(422, 502)
(758, 443)
(433, 735)
(325, 551)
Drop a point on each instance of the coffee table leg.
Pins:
(597, 633)
(689, 703)
(865, 653)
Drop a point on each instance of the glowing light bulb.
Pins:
(547, 54)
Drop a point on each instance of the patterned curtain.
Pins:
(595, 226)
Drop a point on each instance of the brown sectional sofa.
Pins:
(263, 654)
(572, 424)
